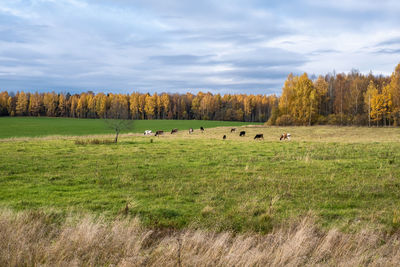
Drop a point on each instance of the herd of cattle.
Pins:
(284, 136)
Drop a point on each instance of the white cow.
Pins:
(148, 132)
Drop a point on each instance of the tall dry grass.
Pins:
(38, 239)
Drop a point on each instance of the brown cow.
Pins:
(233, 130)
(285, 136)
(174, 131)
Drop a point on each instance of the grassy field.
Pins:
(34, 126)
(345, 177)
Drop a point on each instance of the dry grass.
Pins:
(93, 141)
(34, 238)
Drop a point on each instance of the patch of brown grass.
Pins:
(34, 238)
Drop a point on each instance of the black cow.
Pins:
(174, 131)
(233, 130)
(242, 133)
(190, 130)
(224, 137)
(159, 133)
(259, 136)
(201, 128)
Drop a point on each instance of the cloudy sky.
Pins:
(236, 46)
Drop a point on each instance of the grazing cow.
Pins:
(224, 137)
(233, 130)
(285, 136)
(201, 128)
(148, 132)
(174, 131)
(158, 133)
(190, 130)
(242, 133)
(259, 136)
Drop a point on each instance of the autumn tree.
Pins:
(141, 105)
(21, 107)
(3, 103)
(50, 101)
(368, 95)
(73, 107)
(102, 103)
(377, 106)
(321, 87)
(300, 100)
(395, 93)
(165, 105)
(62, 105)
(82, 106)
(387, 104)
(287, 96)
(150, 106)
(11, 105)
(196, 106)
(36, 106)
(91, 106)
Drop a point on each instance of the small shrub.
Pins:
(274, 116)
(360, 119)
(284, 120)
(95, 141)
(80, 142)
(321, 120)
(92, 142)
(333, 119)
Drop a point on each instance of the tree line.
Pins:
(202, 106)
(339, 99)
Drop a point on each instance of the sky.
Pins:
(236, 46)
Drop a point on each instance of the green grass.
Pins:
(337, 174)
(33, 126)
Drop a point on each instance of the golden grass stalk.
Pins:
(35, 238)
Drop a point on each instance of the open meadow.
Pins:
(44, 126)
(344, 176)
(343, 179)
